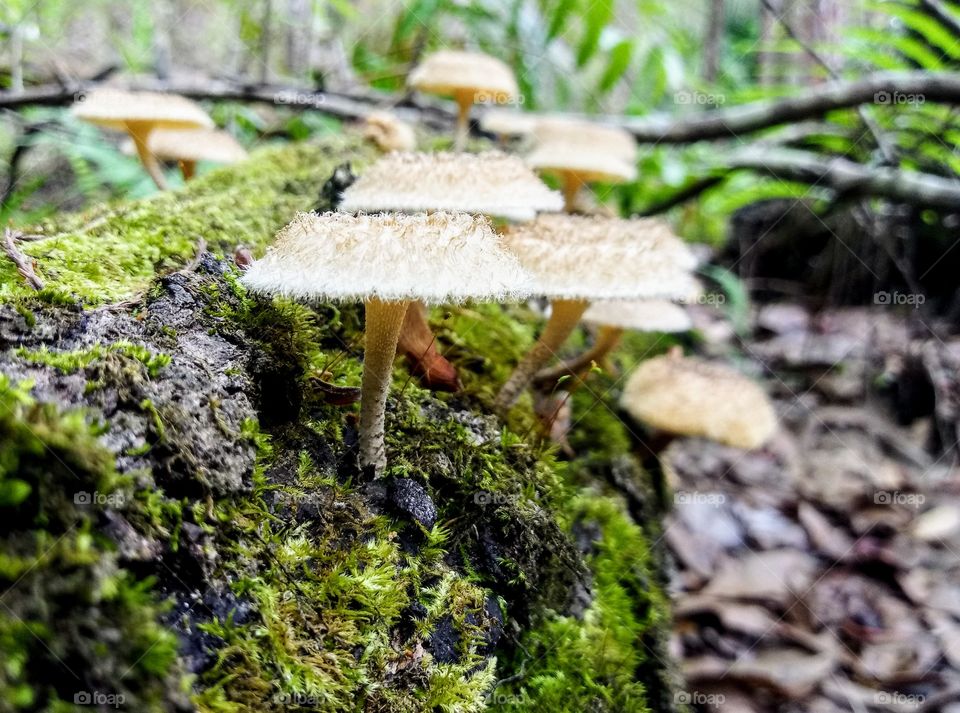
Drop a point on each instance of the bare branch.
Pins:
(847, 177)
(24, 263)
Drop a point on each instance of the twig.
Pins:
(24, 264)
(195, 260)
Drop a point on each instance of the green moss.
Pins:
(590, 663)
(113, 252)
(56, 568)
(71, 362)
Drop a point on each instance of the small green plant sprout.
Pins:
(611, 319)
(387, 261)
(685, 396)
(187, 146)
(579, 152)
(469, 77)
(140, 114)
(575, 260)
(491, 184)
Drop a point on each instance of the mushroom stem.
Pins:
(464, 102)
(188, 169)
(140, 132)
(607, 339)
(564, 316)
(571, 187)
(383, 321)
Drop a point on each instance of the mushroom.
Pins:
(139, 114)
(388, 132)
(612, 318)
(507, 123)
(580, 152)
(386, 260)
(468, 77)
(491, 183)
(575, 260)
(187, 146)
(692, 397)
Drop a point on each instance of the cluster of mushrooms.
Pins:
(446, 227)
(160, 127)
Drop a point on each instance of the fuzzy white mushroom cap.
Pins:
(195, 145)
(490, 183)
(449, 72)
(692, 397)
(438, 258)
(640, 315)
(592, 152)
(592, 258)
(115, 108)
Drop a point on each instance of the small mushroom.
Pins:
(690, 397)
(575, 260)
(580, 152)
(506, 124)
(491, 183)
(388, 132)
(139, 114)
(612, 318)
(187, 146)
(468, 77)
(386, 261)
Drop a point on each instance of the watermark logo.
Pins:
(903, 700)
(113, 500)
(689, 497)
(699, 98)
(290, 98)
(899, 99)
(502, 699)
(296, 698)
(710, 299)
(485, 497)
(699, 698)
(98, 698)
(491, 98)
(899, 298)
(895, 497)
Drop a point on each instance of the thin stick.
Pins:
(25, 265)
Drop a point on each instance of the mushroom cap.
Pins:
(692, 397)
(440, 257)
(508, 122)
(389, 132)
(641, 315)
(490, 183)
(592, 152)
(450, 72)
(115, 108)
(195, 145)
(581, 258)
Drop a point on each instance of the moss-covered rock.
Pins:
(184, 525)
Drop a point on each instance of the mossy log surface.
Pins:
(183, 525)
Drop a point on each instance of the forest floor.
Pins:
(822, 573)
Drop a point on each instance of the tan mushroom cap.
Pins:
(115, 108)
(580, 258)
(592, 152)
(692, 397)
(641, 315)
(491, 183)
(450, 72)
(195, 145)
(508, 122)
(389, 132)
(440, 258)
